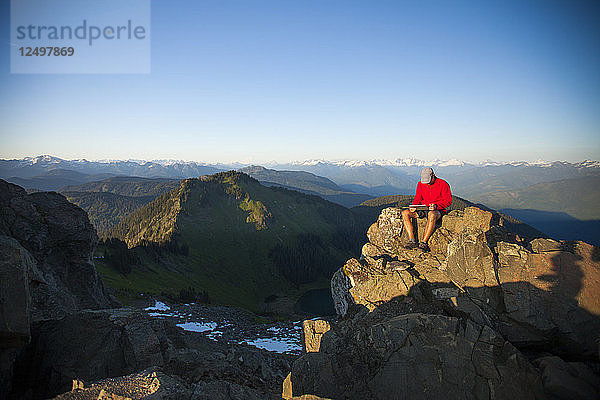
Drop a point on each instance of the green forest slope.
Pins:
(236, 239)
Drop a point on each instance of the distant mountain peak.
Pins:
(44, 158)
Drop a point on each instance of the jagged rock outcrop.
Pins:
(407, 318)
(46, 269)
(61, 240)
(539, 292)
(155, 384)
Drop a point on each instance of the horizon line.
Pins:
(306, 160)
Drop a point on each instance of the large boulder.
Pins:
(542, 295)
(415, 356)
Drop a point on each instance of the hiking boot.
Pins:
(424, 246)
(410, 245)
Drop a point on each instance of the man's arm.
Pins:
(445, 197)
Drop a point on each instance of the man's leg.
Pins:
(432, 218)
(407, 217)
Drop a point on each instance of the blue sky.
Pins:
(284, 80)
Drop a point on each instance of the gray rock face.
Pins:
(340, 287)
(15, 264)
(386, 232)
(223, 390)
(470, 261)
(555, 294)
(567, 381)
(415, 356)
(60, 238)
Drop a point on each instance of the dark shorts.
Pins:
(423, 213)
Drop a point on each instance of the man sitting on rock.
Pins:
(433, 192)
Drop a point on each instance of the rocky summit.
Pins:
(485, 315)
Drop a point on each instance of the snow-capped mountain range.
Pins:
(399, 162)
(415, 162)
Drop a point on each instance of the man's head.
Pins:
(427, 176)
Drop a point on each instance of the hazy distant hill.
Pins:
(579, 197)
(365, 178)
(307, 183)
(127, 186)
(55, 179)
(238, 240)
(106, 209)
(476, 182)
(559, 225)
(379, 178)
(109, 200)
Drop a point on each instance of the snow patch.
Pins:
(198, 326)
(158, 306)
(278, 345)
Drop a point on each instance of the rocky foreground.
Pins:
(485, 315)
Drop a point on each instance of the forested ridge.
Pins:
(238, 240)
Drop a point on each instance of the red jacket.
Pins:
(437, 193)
